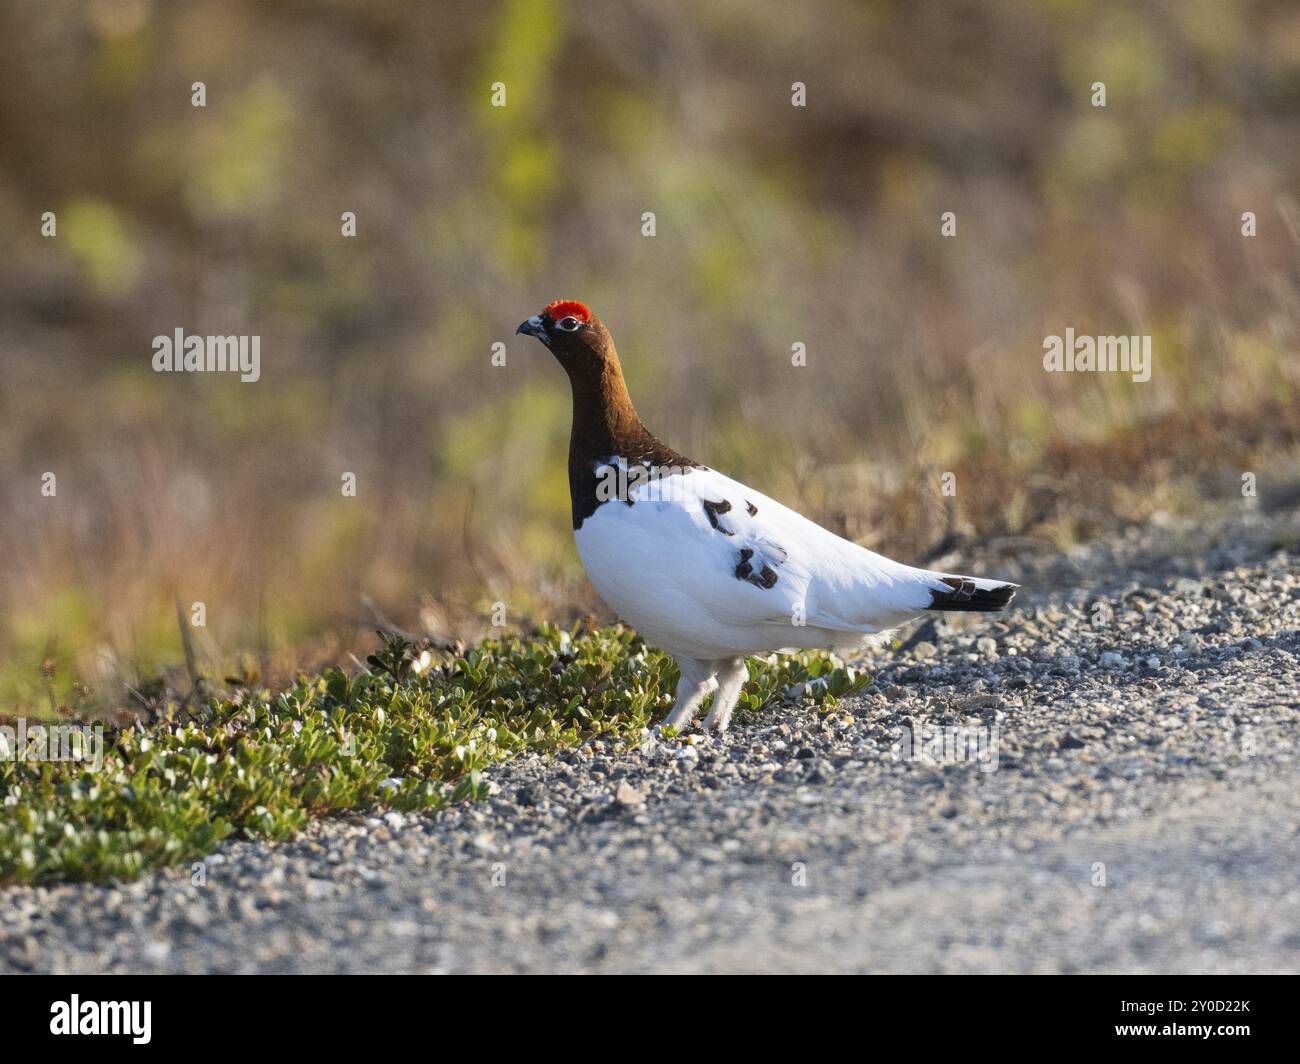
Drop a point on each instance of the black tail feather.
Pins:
(966, 595)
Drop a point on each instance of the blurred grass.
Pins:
(775, 224)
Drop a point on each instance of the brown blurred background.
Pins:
(775, 224)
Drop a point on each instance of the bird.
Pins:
(703, 566)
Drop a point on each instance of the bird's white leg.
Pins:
(696, 682)
(732, 675)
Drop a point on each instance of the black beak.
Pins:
(533, 327)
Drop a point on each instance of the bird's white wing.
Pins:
(842, 585)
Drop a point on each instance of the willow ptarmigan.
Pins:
(703, 566)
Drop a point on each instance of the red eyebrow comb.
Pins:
(567, 308)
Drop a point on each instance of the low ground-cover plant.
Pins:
(412, 732)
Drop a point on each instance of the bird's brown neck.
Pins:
(605, 426)
(604, 420)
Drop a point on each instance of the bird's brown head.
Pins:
(576, 337)
(604, 421)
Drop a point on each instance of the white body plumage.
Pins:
(669, 564)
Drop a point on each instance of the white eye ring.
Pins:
(569, 324)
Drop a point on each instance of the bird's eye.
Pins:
(570, 324)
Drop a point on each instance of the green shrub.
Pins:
(412, 733)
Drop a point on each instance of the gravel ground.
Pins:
(1136, 810)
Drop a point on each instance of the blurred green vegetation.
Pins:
(775, 225)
